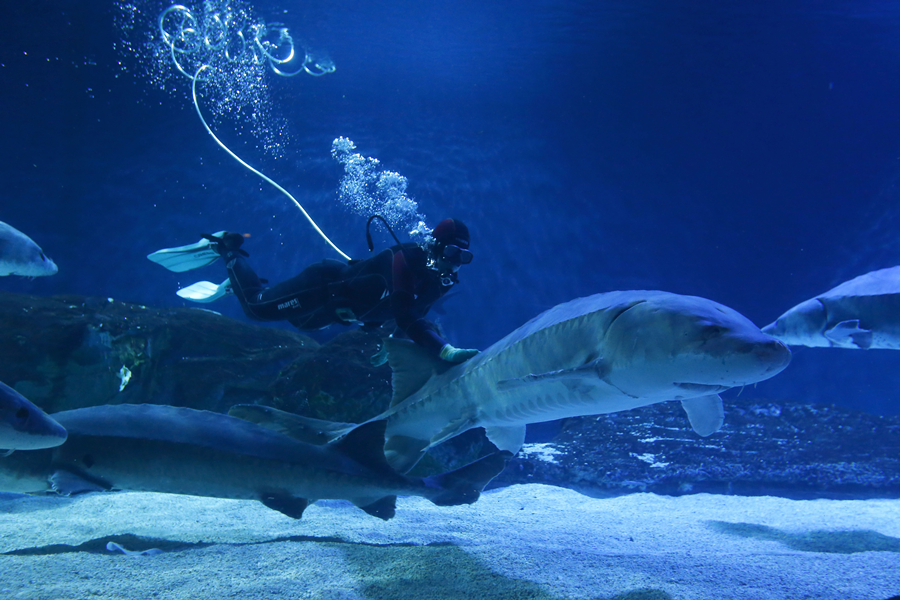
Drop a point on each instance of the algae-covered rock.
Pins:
(337, 382)
(70, 351)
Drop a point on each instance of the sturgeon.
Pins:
(19, 255)
(862, 313)
(24, 426)
(175, 450)
(599, 354)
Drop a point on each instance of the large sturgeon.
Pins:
(600, 354)
(185, 451)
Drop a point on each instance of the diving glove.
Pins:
(228, 242)
(456, 355)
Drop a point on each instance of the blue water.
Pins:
(746, 152)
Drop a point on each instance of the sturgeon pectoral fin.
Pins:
(464, 485)
(68, 483)
(509, 439)
(453, 429)
(705, 413)
(850, 334)
(594, 369)
(403, 452)
(286, 504)
(383, 508)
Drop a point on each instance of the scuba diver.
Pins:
(400, 283)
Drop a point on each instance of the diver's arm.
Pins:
(402, 299)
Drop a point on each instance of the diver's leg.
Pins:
(246, 285)
(367, 288)
(298, 299)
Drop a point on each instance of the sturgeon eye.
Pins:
(22, 414)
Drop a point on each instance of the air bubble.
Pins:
(366, 189)
(239, 50)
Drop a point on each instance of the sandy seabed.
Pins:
(521, 542)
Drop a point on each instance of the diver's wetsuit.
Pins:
(394, 284)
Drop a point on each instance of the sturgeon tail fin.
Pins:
(464, 485)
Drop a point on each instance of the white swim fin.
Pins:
(187, 258)
(205, 291)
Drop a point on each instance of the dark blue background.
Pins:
(742, 151)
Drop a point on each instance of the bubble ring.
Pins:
(186, 32)
(322, 69)
(187, 36)
(219, 29)
(265, 45)
(242, 50)
(181, 69)
(192, 41)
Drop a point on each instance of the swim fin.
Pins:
(205, 291)
(187, 258)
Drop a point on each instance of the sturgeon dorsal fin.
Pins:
(365, 445)
(412, 365)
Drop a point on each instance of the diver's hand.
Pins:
(229, 242)
(456, 355)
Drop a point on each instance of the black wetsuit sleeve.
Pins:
(402, 299)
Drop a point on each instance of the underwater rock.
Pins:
(794, 451)
(70, 352)
(337, 382)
